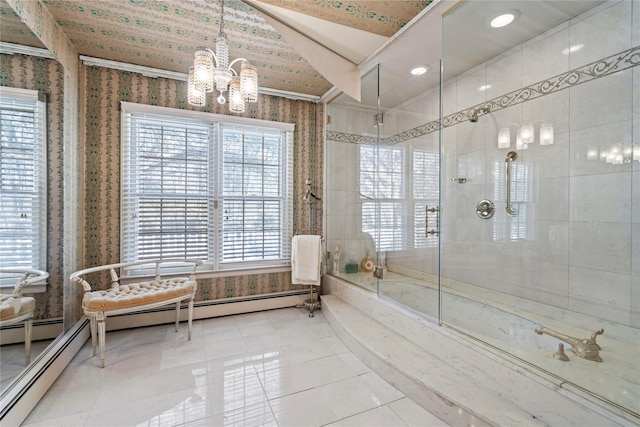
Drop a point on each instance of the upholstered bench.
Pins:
(15, 307)
(139, 295)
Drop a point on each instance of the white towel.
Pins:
(306, 258)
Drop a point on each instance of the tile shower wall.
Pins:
(342, 181)
(574, 240)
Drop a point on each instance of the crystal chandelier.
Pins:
(212, 70)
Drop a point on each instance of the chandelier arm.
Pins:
(234, 61)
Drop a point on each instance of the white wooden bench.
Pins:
(142, 294)
(15, 307)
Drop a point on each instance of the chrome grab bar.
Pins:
(427, 209)
(511, 156)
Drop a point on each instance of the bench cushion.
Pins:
(138, 294)
(11, 306)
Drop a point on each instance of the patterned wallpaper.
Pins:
(379, 17)
(14, 31)
(45, 75)
(37, 18)
(104, 89)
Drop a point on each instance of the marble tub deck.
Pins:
(362, 317)
(508, 323)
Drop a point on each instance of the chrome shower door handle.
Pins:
(427, 209)
(511, 156)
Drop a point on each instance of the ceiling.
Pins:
(162, 34)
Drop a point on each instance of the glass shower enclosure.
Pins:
(498, 194)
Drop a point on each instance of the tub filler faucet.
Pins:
(586, 348)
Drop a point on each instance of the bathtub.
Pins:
(507, 323)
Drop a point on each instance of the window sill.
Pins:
(36, 288)
(209, 274)
(239, 271)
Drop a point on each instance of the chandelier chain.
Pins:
(222, 34)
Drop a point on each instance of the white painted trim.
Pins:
(157, 72)
(42, 330)
(155, 109)
(205, 310)
(11, 49)
(25, 393)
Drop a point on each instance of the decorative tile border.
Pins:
(602, 68)
(350, 138)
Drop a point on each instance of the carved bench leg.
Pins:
(101, 337)
(92, 324)
(28, 327)
(190, 317)
(177, 314)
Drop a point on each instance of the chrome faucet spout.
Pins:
(586, 348)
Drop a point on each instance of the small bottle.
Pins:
(367, 263)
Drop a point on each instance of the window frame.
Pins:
(216, 184)
(33, 101)
(412, 229)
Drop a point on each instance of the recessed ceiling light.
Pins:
(419, 70)
(504, 18)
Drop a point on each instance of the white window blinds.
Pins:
(397, 184)
(382, 177)
(256, 194)
(197, 186)
(167, 187)
(23, 191)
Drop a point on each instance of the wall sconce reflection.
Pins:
(526, 134)
(616, 154)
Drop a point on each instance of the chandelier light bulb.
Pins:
(203, 69)
(249, 82)
(221, 99)
(195, 96)
(236, 103)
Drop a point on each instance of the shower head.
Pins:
(474, 114)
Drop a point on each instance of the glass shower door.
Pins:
(407, 191)
(544, 128)
(351, 139)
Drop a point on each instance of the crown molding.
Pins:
(156, 72)
(12, 49)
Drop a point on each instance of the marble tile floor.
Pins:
(271, 368)
(12, 360)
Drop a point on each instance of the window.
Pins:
(205, 186)
(425, 194)
(395, 195)
(382, 183)
(23, 190)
